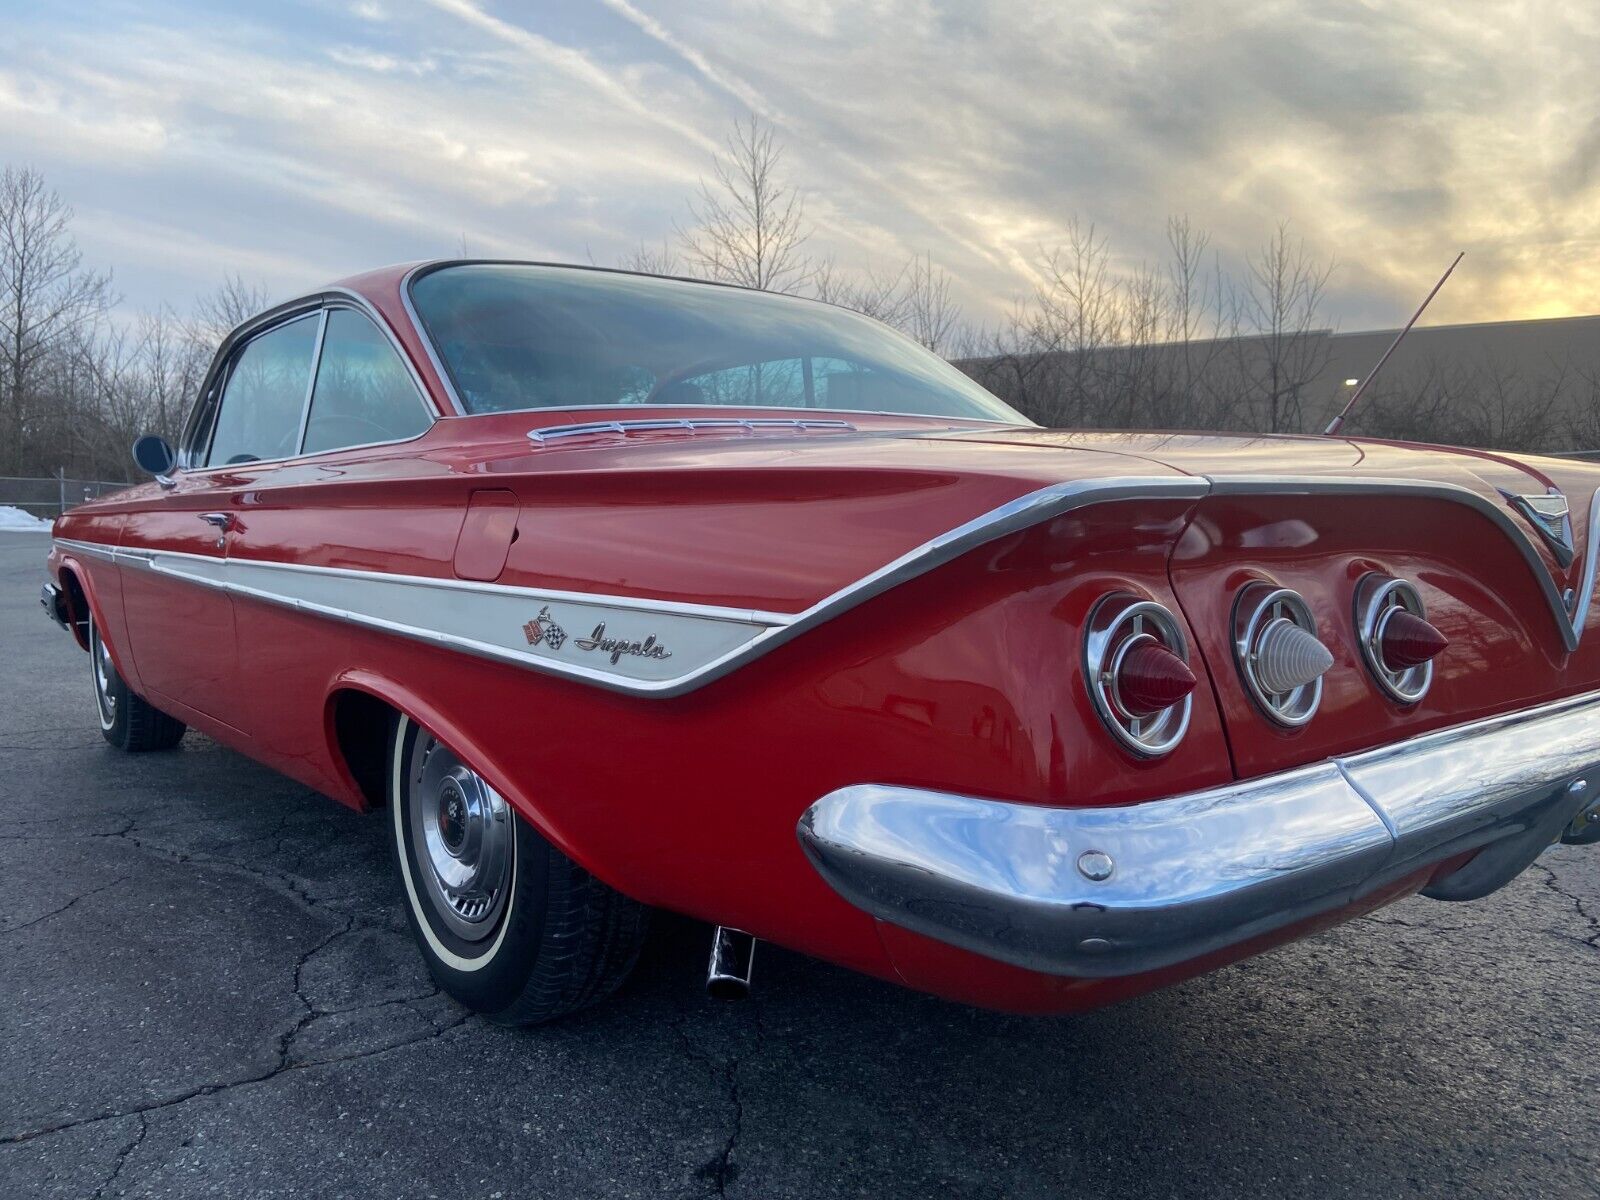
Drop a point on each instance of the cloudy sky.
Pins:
(294, 142)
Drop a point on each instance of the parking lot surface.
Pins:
(207, 989)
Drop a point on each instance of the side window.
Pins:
(363, 393)
(265, 395)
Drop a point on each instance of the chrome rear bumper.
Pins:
(1102, 892)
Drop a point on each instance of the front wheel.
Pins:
(508, 925)
(127, 720)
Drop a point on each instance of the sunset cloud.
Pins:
(302, 142)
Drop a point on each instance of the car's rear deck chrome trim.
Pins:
(1106, 892)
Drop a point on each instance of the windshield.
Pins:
(516, 337)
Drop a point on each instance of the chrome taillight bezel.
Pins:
(1378, 597)
(1118, 622)
(1254, 608)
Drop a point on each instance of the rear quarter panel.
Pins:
(968, 678)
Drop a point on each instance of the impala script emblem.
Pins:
(543, 630)
(617, 647)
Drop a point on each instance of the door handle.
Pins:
(222, 522)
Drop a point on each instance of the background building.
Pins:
(1520, 385)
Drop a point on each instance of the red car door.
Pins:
(181, 618)
(180, 628)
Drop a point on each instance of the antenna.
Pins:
(1338, 422)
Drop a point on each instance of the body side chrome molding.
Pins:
(641, 646)
(770, 630)
(713, 658)
(1114, 891)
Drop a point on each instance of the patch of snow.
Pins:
(16, 520)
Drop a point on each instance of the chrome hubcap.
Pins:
(464, 838)
(104, 673)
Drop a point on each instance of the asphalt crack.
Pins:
(293, 888)
(722, 1169)
(1553, 882)
(215, 1089)
(122, 1156)
(56, 912)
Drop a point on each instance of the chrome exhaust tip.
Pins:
(728, 973)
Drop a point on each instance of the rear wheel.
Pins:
(127, 720)
(508, 925)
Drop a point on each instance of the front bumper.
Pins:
(54, 602)
(1105, 892)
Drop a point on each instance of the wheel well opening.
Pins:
(361, 727)
(77, 606)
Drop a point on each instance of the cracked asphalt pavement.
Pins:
(207, 989)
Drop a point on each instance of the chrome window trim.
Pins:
(1025, 511)
(216, 386)
(283, 314)
(311, 383)
(426, 338)
(321, 317)
(445, 381)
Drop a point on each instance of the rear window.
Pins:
(516, 337)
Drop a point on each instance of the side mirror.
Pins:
(154, 454)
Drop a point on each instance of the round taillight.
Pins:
(1280, 657)
(1137, 670)
(1149, 678)
(1397, 641)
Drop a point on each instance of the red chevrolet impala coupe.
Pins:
(621, 592)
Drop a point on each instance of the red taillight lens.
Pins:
(1409, 641)
(1151, 679)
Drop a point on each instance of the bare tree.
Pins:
(651, 260)
(1074, 319)
(1282, 300)
(230, 304)
(877, 295)
(931, 312)
(748, 227)
(1482, 401)
(1583, 421)
(47, 298)
(172, 366)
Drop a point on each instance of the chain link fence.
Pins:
(53, 495)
